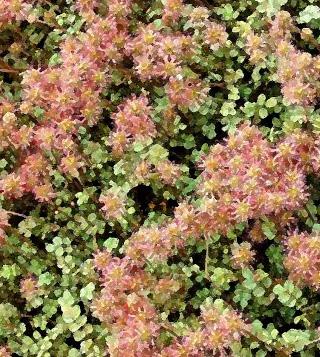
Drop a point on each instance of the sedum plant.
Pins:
(159, 178)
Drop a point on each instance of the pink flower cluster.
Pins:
(297, 71)
(218, 330)
(165, 170)
(246, 178)
(256, 47)
(5, 352)
(187, 93)
(303, 259)
(113, 205)
(172, 11)
(241, 255)
(153, 243)
(125, 308)
(132, 122)
(68, 96)
(4, 218)
(159, 55)
(31, 177)
(29, 288)
(15, 10)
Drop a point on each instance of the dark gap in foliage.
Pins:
(296, 354)
(23, 205)
(42, 42)
(201, 139)
(44, 210)
(7, 77)
(272, 89)
(14, 295)
(15, 220)
(71, 342)
(267, 122)
(247, 69)
(144, 197)
(220, 133)
(303, 45)
(260, 254)
(107, 119)
(174, 259)
(243, 13)
(92, 320)
(240, 102)
(199, 259)
(29, 329)
(191, 310)
(127, 62)
(38, 242)
(233, 285)
(82, 308)
(173, 316)
(171, 205)
(177, 154)
(233, 37)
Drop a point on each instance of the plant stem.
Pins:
(207, 258)
(16, 214)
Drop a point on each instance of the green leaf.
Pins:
(3, 163)
(74, 353)
(70, 313)
(263, 113)
(66, 299)
(82, 197)
(157, 153)
(111, 243)
(259, 291)
(271, 7)
(86, 292)
(228, 108)
(311, 12)
(271, 102)
(296, 339)
(45, 279)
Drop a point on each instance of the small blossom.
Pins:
(71, 164)
(303, 259)
(242, 255)
(113, 205)
(172, 11)
(28, 288)
(44, 192)
(169, 173)
(215, 35)
(5, 351)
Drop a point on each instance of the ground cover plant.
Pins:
(159, 178)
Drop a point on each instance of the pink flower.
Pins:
(28, 288)
(172, 11)
(113, 205)
(215, 35)
(186, 93)
(303, 259)
(132, 122)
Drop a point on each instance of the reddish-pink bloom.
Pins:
(303, 259)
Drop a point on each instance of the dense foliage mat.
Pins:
(159, 178)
